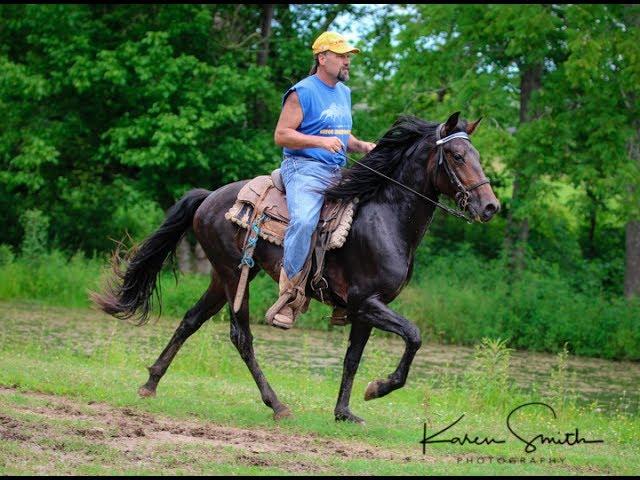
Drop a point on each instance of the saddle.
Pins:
(261, 208)
(266, 195)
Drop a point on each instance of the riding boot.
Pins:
(292, 301)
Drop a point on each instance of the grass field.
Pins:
(68, 403)
(457, 297)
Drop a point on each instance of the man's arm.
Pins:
(356, 145)
(287, 136)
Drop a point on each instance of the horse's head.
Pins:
(456, 170)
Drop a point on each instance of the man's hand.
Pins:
(367, 146)
(333, 144)
(359, 146)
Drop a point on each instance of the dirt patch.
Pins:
(10, 429)
(138, 436)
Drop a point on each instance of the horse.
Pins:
(364, 275)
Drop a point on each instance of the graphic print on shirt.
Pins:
(335, 114)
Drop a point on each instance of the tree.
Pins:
(603, 70)
(106, 106)
(487, 60)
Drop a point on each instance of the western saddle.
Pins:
(261, 208)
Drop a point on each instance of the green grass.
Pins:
(457, 298)
(89, 357)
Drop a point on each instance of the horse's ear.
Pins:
(451, 124)
(471, 127)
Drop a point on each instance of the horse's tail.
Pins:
(132, 290)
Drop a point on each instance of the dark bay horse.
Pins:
(367, 273)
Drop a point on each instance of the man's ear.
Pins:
(471, 127)
(451, 124)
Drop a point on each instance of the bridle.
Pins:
(462, 192)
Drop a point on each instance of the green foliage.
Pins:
(35, 225)
(457, 298)
(488, 375)
(136, 215)
(111, 112)
(570, 149)
(107, 105)
(52, 278)
(559, 392)
(6, 254)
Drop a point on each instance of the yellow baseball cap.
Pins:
(332, 41)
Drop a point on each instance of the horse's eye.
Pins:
(458, 157)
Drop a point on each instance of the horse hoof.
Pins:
(282, 413)
(372, 390)
(349, 417)
(146, 392)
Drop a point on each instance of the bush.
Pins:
(35, 225)
(460, 298)
(6, 254)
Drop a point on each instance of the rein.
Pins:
(462, 195)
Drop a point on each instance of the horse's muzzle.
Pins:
(489, 210)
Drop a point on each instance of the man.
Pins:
(314, 128)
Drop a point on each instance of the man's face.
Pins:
(337, 64)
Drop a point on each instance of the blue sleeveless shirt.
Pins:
(326, 111)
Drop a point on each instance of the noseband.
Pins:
(462, 193)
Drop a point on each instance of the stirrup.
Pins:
(275, 308)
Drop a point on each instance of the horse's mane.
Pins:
(408, 138)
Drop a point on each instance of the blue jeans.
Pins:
(304, 180)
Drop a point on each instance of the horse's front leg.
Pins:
(358, 338)
(375, 313)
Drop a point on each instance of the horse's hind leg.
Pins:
(208, 305)
(243, 340)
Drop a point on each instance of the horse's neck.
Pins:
(417, 212)
(416, 218)
(409, 215)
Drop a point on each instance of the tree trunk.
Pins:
(593, 216)
(265, 30)
(184, 255)
(517, 235)
(259, 107)
(191, 258)
(632, 264)
(632, 244)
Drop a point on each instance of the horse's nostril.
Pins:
(489, 210)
